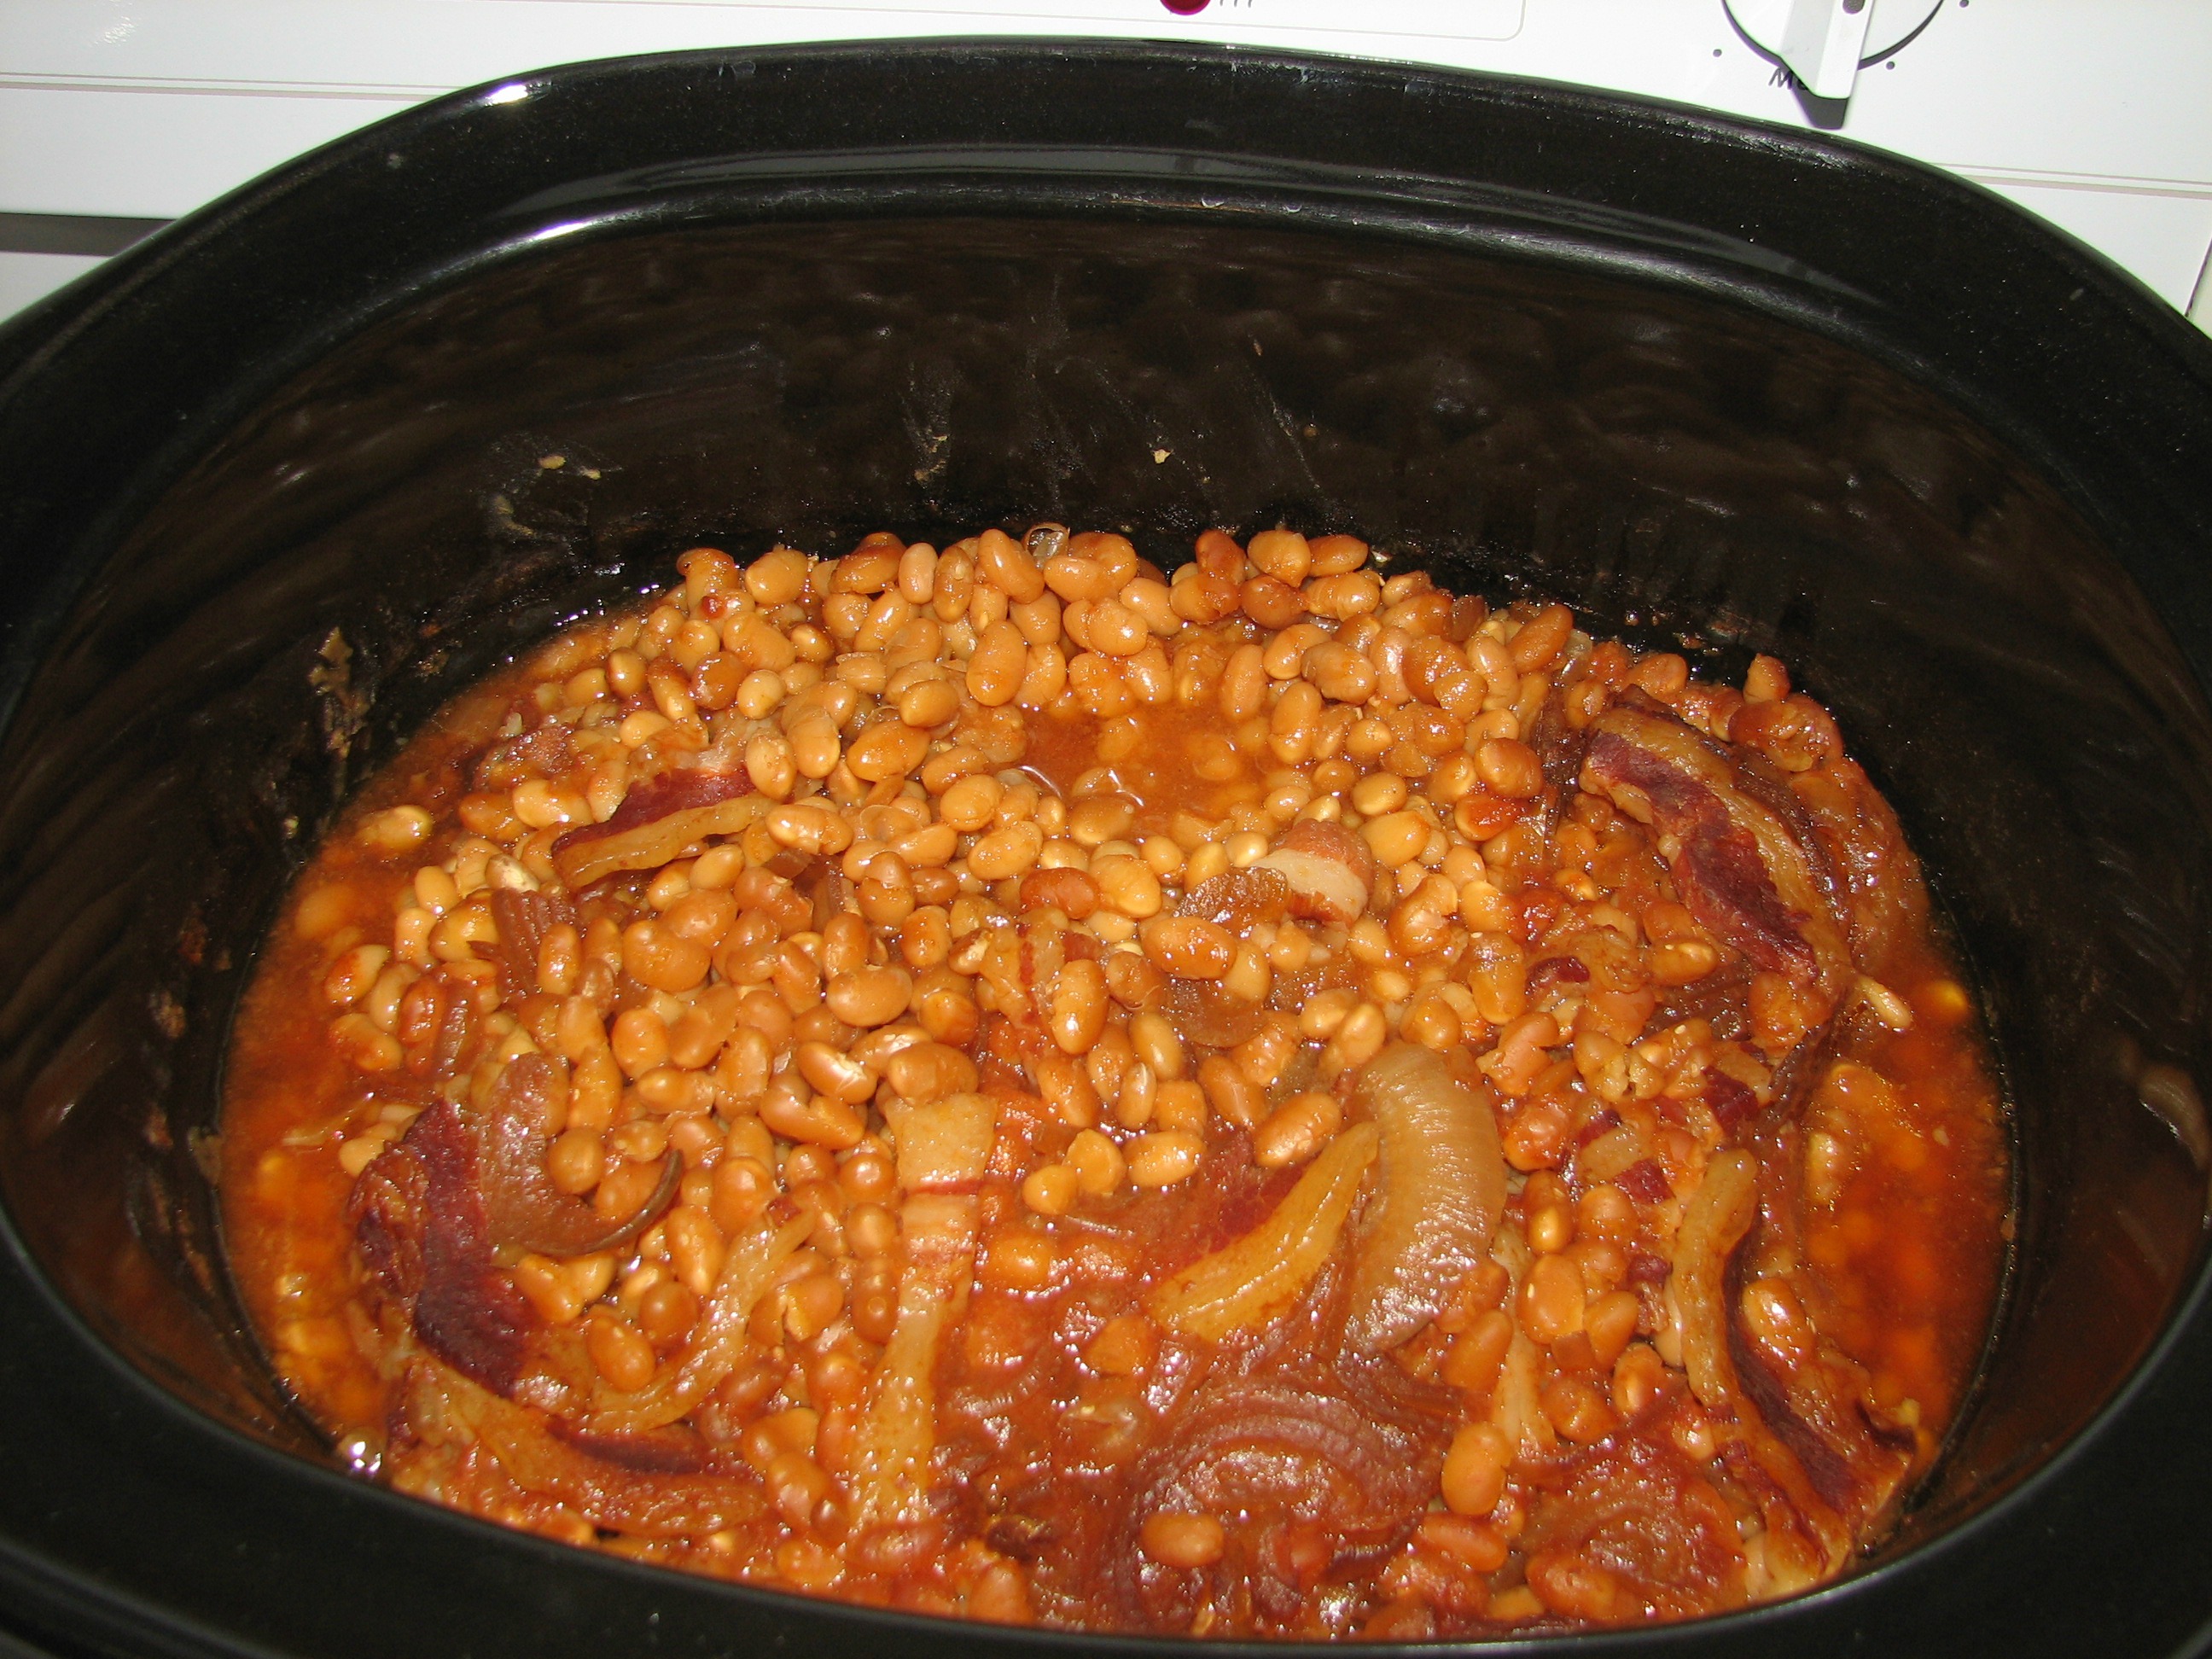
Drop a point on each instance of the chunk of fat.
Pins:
(1331, 889)
(944, 1145)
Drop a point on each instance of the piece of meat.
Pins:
(679, 790)
(418, 1217)
(656, 820)
(438, 1026)
(544, 751)
(524, 919)
(1319, 1458)
(632, 1484)
(1560, 750)
(1329, 871)
(1755, 879)
(674, 1449)
(1885, 897)
(437, 1213)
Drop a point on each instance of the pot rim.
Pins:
(1415, 206)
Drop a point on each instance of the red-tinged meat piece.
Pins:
(544, 751)
(1571, 970)
(1601, 1124)
(1560, 750)
(1535, 909)
(1323, 1469)
(1321, 1460)
(1729, 1099)
(656, 821)
(440, 1026)
(678, 791)
(1814, 1397)
(1756, 878)
(418, 1216)
(1645, 1181)
(674, 1449)
(1886, 898)
(523, 921)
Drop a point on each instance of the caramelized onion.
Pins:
(1252, 1281)
(1444, 1184)
(656, 1503)
(1204, 1011)
(523, 1212)
(717, 1344)
(1720, 1212)
(1240, 900)
(1807, 1540)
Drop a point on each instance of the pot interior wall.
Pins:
(385, 528)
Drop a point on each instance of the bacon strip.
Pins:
(1742, 869)
(419, 1217)
(524, 920)
(657, 819)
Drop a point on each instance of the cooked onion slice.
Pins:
(1254, 1279)
(897, 1438)
(655, 1503)
(1444, 1184)
(717, 1343)
(1719, 1213)
(1806, 1540)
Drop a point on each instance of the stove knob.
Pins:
(1824, 43)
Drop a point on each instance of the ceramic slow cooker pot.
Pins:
(1714, 384)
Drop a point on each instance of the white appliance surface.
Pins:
(2096, 114)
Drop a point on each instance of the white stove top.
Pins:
(2098, 117)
